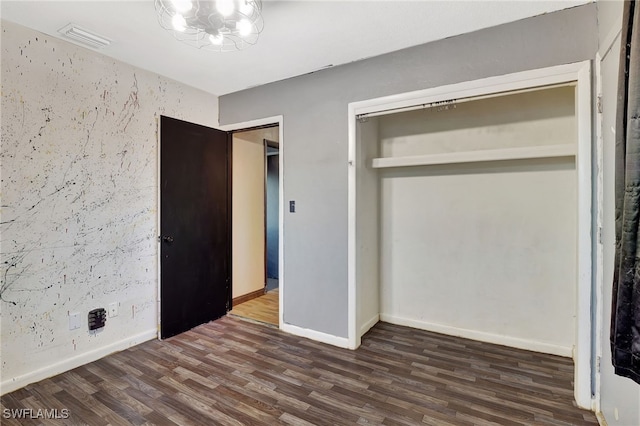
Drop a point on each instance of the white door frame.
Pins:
(580, 73)
(275, 120)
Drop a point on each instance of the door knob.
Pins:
(167, 239)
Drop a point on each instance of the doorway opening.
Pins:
(256, 224)
(195, 218)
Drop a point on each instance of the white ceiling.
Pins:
(299, 36)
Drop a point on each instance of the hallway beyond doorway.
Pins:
(263, 309)
(272, 284)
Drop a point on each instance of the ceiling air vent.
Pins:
(84, 37)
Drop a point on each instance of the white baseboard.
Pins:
(367, 325)
(481, 336)
(330, 339)
(70, 363)
(601, 420)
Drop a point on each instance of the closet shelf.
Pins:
(548, 151)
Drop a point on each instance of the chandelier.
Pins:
(218, 25)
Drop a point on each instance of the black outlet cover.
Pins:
(97, 318)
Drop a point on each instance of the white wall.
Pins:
(248, 226)
(620, 397)
(485, 250)
(79, 199)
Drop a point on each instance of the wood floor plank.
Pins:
(235, 372)
(218, 413)
(159, 409)
(290, 419)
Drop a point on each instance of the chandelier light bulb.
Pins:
(244, 27)
(245, 7)
(225, 7)
(178, 22)
(213, 25)
(216, 39)
(182, 6)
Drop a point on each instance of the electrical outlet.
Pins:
(74, 320)
(113, 309)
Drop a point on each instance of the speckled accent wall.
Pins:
(79, 200)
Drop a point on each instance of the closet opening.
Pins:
(470, 213)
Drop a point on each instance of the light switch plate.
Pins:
(113, 309)
(74, 320)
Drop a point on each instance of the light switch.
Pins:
(292, 206)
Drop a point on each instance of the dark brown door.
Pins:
(195, 224)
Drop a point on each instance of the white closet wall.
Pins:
(535, 118)
(367, 235)
(482, 249)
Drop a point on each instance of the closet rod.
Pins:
(446, 103)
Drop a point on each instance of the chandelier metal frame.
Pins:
(205, 27)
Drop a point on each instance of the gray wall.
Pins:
(314, 107)
(620, 397)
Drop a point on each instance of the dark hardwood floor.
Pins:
(234, 372)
